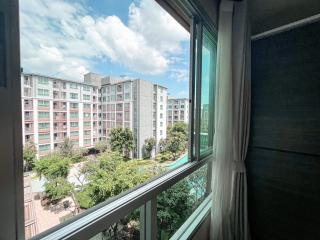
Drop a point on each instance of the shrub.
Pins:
(163, 157)
(84, 199)
(78, 155)
(58, 188)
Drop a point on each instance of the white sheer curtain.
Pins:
(229, 218)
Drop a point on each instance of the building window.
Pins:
(86, 97)
(86, 88)
(44, 125)
(73, 134)
(43, 81)
(73, 86)
(74, 105)
(43, 148)
(43, 92)
(119, 107)
(43, 103)
(86, 106)
(103, 181)
(127, 86)
(74, 124)
(87, 132)
(127, 116)
(74, 115)
(43, 115)
(44, 136)
(119, 88)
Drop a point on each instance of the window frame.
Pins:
(96, 219)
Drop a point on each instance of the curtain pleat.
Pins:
(229, 219)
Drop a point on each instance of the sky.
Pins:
(137, 38)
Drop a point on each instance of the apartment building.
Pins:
(133, 103)
(53, 109)
(177, 111)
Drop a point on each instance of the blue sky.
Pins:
(110, 37)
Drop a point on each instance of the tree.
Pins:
(66, 148)
(121, 140)
(112, 175)
(149, 145)
(179, 127)
(176, 143)
(29, 156)
(101, 146)
(174, 206)
(177, 203)
(58, 188)
(53, 166)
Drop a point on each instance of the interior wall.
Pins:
(203, 231)
(283, 161)
(211, 7)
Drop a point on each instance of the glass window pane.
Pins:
(207, 92)
(127, 228)
(177, 203)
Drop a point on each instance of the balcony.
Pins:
(60, 117)
(28, 105)
(59, 106)
(60, 129)
(29, 130)
(28, 118)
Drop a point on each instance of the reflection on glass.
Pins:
(89, 136)
(177, 203)
(127, 228)
(207, 92)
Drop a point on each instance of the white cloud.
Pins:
(159, 28)
(70, 42)
(179, 75)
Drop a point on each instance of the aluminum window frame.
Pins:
(96, 219)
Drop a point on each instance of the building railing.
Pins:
(101, 217)
(28, 118)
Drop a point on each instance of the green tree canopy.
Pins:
(53, 166)
(29, 156)
(179, 127)
(176, 143)
(58, 188)
(101, 146)
(112, 176)
(121, 140)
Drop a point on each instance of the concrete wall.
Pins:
(144, 105)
